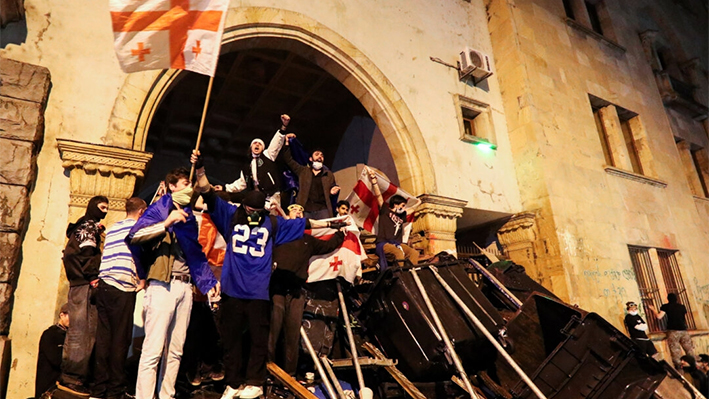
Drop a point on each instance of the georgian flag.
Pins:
(364, 207)
(162, 34)
(345, 261)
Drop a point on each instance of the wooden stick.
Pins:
(201, 123)
(298, 390)
(492, 257)
(398, 376)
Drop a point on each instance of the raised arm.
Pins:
(276, 144)
(292, 164)
(375, 187)
(654, 311)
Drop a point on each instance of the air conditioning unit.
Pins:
(474, 63)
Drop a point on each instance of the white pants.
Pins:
(166, 310)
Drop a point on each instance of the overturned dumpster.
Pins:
(551, 349)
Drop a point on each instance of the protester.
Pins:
(115, 302)
(677, 336)
(703, 363)
(694, 375)
(343, 208)
(165, 246)
(637, 329)
(251, 234)
(49, 358)
(317, 184)
(392, 217)
(291, 261)
(262, 173)
(82, 257)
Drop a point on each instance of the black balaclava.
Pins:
(92, 210)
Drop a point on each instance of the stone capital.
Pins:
(520, 230)
(101, 170)
(437, 218)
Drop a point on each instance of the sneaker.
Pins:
(213, 376)
(194, 379)
(251, 392)
(231, 393)
(76, 389)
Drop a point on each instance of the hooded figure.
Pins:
(82, 255)
(699, 379)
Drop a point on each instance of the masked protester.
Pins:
(167, 253)
(637, 329)
(250, 233)
(82, 257)
(694, 375)
(317, 184)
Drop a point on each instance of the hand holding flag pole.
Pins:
(201, 123)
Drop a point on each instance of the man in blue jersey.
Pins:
(115, 302)
(250, 233)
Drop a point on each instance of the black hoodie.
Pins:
(82, 254)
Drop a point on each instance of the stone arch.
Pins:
(252, 27)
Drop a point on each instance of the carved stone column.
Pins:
(101, 170)
(436, 217)
(517, 238)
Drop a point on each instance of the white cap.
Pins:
(257, 141)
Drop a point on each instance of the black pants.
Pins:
(113, 338)
(286, 316)
(236, 316)
(80, 338)
(202, 341)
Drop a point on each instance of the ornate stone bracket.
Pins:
(101, 170)
(437, 218)
(517, 238)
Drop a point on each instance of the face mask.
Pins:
(633, 312)
(183, 196)
(401, 211)
(93, 212)
(317, 165)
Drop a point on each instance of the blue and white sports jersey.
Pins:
(247, 264)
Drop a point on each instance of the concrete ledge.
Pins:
(635, 177)
(572, 23)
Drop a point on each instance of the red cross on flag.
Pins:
(364, 207)
(345, 261)
(162, 34)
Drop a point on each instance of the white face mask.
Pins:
(317, 165)
(633, 312)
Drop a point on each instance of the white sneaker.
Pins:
(231, 393)
(251, 392)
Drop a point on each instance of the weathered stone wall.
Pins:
(23, 94)
(588, 213)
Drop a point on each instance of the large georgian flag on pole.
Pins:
(162, 34)
(364, 207)
(345, 261)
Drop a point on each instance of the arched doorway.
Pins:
(252, 87)
(276, 29)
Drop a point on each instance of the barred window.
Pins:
(674, 282)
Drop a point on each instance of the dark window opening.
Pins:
(594, 18)
(469, 121)
(696, 154)
(569, 9)
(674, 283)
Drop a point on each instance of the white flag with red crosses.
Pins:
(162, 34)
(364, 207)
(345, 261)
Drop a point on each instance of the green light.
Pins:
(485, 146)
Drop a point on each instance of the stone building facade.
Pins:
(576, 207)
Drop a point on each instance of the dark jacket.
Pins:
(292, 260)
(268, 173)
(305, 179)
(82, 254)
(49, 359)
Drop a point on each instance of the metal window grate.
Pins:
(674, 283)
(649, 291)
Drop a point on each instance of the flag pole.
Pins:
(201, 123)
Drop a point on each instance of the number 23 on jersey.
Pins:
(240, 238)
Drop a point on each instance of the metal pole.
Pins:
(338, 388)
(487, 334)
(497, 283)
(350, 337)
(444, 335)
(316, 360)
